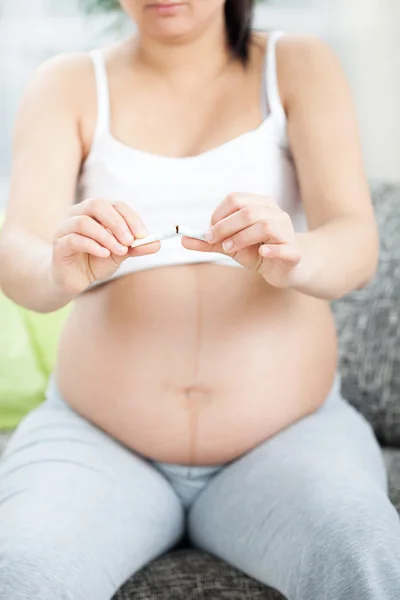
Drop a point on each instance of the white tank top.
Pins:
(167, 191)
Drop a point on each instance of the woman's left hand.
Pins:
(256, 233)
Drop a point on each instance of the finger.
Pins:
(74, 243)
(258, 233)
(144, 250)
(237, 201)
(200, 246)
(107, 215)
(285, 252)
(238, 221)
(88, 227)
(132, 219)
(228, 206)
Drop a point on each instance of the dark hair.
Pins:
(238, 18)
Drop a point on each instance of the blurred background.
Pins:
(364, 33)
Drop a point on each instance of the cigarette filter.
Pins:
(153, 237)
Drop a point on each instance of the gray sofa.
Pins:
(368, 323)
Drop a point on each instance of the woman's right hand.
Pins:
(93, 241)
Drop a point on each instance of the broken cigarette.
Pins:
(178, 230)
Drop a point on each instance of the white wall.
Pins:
(367, 37)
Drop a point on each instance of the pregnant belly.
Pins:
(195, 364)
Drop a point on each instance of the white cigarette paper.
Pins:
(153, 237)
(191, 233)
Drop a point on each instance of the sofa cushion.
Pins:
(195, 575)
(368, 323)
(392, 460)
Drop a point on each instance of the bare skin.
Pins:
(218, 359)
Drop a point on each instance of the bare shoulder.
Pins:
(307, 67)
(304, 46)
(63, 78)
(60, 93)
(305, 54)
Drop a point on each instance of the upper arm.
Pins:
(47, 149)
(323, 132)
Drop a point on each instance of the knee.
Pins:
(349, 523)
(28, 569)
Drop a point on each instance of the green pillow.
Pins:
(22, 381)
(28, 349)
(44, 332)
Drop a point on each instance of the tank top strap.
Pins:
(274, 102)
(102, 92)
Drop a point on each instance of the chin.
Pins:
(164, 29)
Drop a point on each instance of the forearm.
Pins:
(337, 258)
(25, 274)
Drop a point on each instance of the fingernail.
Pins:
(141, 232)
(227, 245)
(209, 235)
(127, 238)
(121, 249)
(265, 250)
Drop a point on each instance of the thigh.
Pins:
(78, 511)
(282, 512)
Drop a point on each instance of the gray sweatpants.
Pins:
(306, 512)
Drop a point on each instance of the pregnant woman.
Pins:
(195, 387)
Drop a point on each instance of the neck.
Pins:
(204, 52)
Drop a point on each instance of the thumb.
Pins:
(141, 251)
